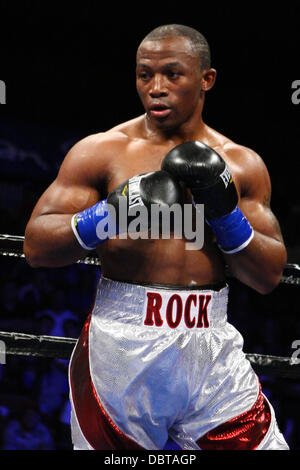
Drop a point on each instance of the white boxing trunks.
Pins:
(154, 363)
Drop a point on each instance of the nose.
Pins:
(158, 87)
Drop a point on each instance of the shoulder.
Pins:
(243, 156)
(248, 169)
(90, 158)
(90, 161)
(104, 145)
(231, 151)
(101, 143)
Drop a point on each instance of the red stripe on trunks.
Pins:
(244, 432)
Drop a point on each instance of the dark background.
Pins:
(69, 70)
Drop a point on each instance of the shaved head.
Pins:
(198, 43)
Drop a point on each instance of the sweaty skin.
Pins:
(172, 87)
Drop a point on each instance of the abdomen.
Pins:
(161, 261)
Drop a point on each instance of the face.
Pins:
(168, 81)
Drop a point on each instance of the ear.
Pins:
(208, 79)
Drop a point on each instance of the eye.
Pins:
(173, 75)
(144, 75)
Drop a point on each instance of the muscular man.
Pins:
(157, 357)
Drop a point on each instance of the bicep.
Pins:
(61, 198)
(255, 203)
(261, 218)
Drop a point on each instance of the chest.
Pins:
(143, 157)
(136, 159)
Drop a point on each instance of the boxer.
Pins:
(157, 357)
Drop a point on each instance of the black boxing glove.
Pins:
(206, 174)
(140, 191)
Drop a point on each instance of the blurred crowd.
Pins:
(34, 391)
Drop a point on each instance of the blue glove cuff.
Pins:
(233, 231)
(93, 226)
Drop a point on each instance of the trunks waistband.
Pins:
(160, 307)
(218, 286)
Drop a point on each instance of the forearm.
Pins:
(50, 241)
(260, 264)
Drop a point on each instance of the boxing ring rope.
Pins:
(61, 348)
(18, 253)
(55, 347)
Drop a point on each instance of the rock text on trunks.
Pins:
(178, 222)
(190, 311)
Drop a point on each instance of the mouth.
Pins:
(159, 110)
